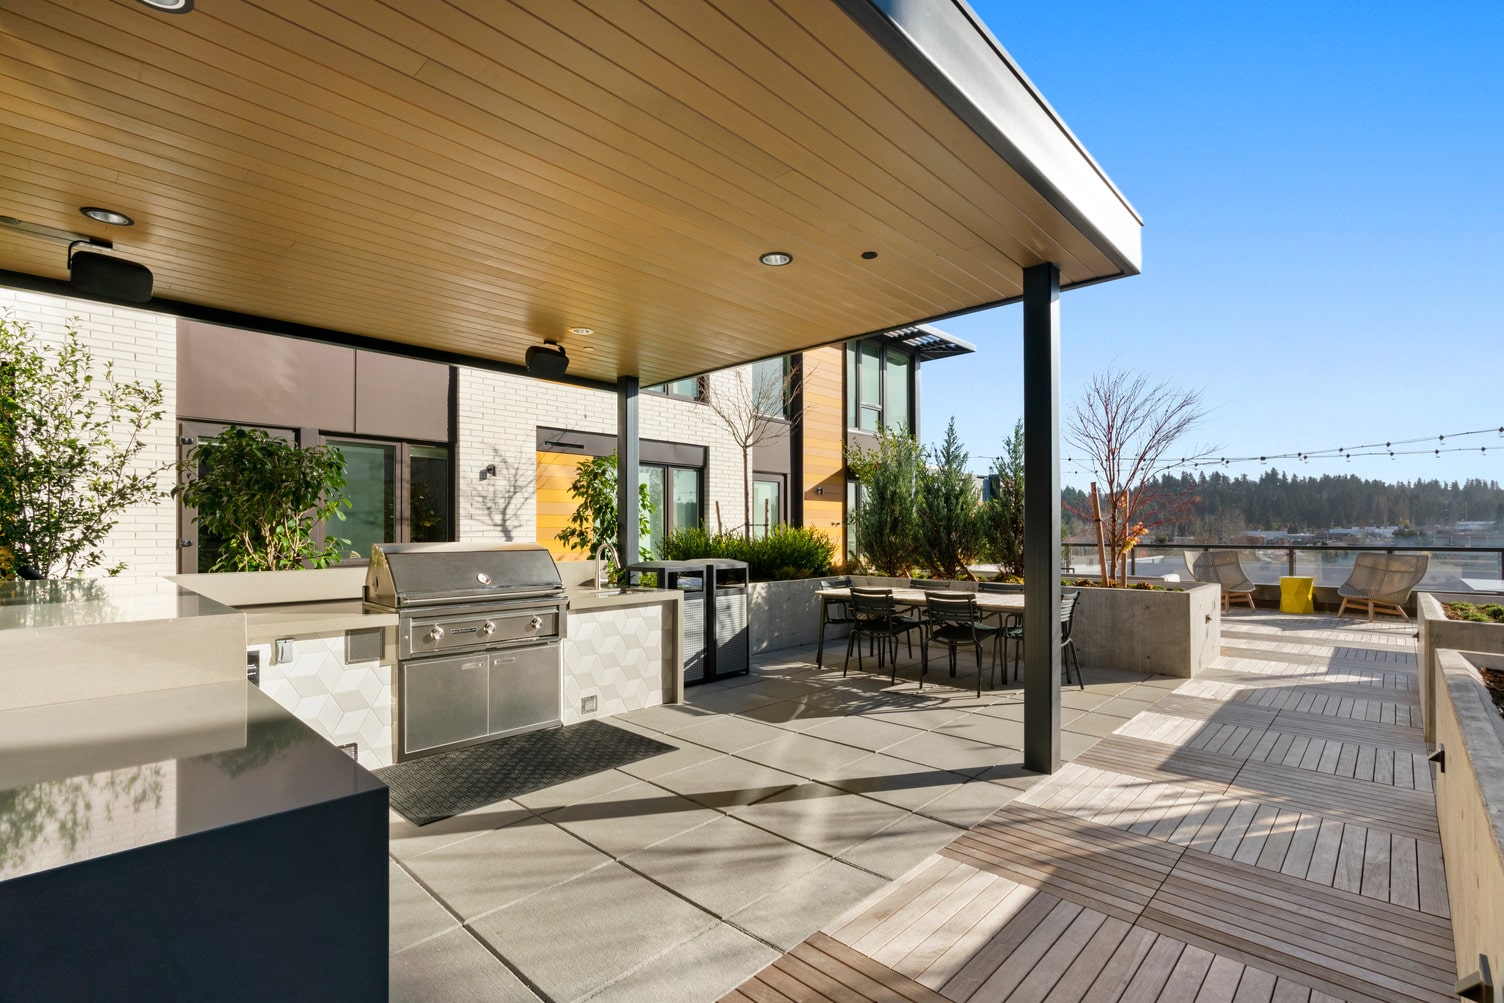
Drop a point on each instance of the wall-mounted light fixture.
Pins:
(489, 470)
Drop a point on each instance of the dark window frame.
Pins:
(855, 405)
(662, 390)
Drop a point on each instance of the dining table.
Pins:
(999, 603)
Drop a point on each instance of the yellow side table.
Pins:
(1297, 595)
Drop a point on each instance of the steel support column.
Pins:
(628, 452)
(1042, 518)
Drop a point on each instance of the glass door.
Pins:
(371, 487)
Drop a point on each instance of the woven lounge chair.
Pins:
(1225, 568)
(1382, 582)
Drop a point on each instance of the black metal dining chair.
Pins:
(875, 616)
(954, 620)
(1013, 631)
(832, 611)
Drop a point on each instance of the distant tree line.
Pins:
(1222, 507)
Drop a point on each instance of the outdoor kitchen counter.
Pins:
(200, 839)
(267, 623)
(76, 639)
(624, 647)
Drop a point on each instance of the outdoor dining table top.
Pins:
(986, 601)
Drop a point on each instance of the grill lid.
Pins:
(408, 574)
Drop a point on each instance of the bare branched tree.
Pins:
(752, 402)
(1125, 427)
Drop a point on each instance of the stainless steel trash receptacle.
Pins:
(717, 641)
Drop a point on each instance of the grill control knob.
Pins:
(536, 623)
(487, 629)
(435, 633)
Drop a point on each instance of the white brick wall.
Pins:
(499, 415)
(143, 346)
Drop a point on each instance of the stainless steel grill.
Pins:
(479, 629)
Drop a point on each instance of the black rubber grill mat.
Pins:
(451, 783)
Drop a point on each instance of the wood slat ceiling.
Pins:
(474, 176)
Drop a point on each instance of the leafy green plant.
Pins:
(950, 526)
(70, 451)
(1489, 613)
(594, 520)
(260, 498)
(785, 553)
(1003, 513)
(885, 524)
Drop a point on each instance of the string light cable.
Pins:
(1391, 449)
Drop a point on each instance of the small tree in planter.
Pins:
(594, 520)
(950, 526)
(886, 520)
(1125, 426)
(260, 499)
(70, 449)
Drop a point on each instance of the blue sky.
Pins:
(1322, 186)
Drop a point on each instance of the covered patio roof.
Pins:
(464, 179)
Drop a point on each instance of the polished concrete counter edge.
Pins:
(584, 599)
(224, 757)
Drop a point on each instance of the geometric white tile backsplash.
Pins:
(344, 703)
(618, 655)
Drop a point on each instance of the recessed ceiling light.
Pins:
(581, 331)
(776, 258)
(109, 216)
(169, 6)
(868, 255)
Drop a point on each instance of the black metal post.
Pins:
(628, 452)
(1042, 518)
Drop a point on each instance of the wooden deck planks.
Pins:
(1264, 833)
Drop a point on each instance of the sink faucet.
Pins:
(605, 547)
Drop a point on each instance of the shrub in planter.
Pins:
(787, 552)
(259, 500)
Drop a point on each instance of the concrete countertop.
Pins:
(267, 623)
(145, 769)
(583, 598)
(87, 602)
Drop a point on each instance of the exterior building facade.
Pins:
(437, 452)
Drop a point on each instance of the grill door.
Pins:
(524, 688)
(443, 701)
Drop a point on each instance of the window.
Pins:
(675, 493)
(767, 503)
(399, 492)
(770, 386)
(878, 382)
(692, 389)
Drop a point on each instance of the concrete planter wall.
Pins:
(1438, 633)
(785, 614)
(1169, 633)
(1470, 805)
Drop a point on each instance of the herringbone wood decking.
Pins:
(1266, 832)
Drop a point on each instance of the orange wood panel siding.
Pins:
(555, 473)
(824, 438)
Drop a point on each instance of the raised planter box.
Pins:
(1438, 633)
(1470, 804)
(1168, 633)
